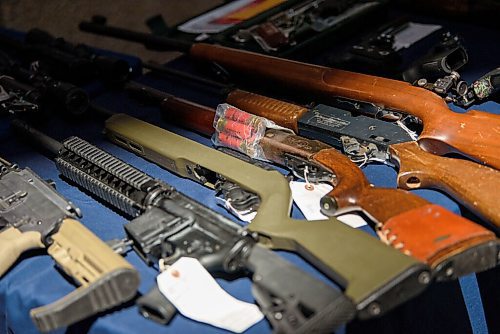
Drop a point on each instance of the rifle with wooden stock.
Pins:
(474, 134)
(417, 168)
(451, 245)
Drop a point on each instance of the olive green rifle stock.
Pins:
(375, 276)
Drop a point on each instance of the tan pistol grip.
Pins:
(13, 243)
(106, 279)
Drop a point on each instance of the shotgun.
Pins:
(353, 192)
(356, 135)
(444, 241)
(474, 134)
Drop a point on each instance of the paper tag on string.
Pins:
(352, 220)
(307, 196)
(196, 295)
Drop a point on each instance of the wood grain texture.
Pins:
(446, 234)
(475, 186)
(352, 189)
(280, 112)
(475, 134)
(189, 115)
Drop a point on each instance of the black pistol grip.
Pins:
(155, 306)
(293, 301)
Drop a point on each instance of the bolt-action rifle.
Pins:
(167, 225)
(473, 134)
(33, 215)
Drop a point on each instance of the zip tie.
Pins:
(412, 134)
(308, 185)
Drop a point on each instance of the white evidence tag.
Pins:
(196, 295)
(307, 196)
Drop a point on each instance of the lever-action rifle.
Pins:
(374, 276)
(33, 215)
(473, 134)
(362, 139)
(167, 225)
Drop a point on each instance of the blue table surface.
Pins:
(466, 306)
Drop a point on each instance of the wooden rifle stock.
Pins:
(473, 185)
(352, 191)
(474, 133)
(351, 186)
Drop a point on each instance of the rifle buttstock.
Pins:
(106, 279)
(474, 185)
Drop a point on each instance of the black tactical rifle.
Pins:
(167, 225)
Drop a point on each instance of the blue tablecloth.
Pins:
(465, 306)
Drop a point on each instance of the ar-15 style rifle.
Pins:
(33, 215)
(24, 91)
(361, 138)
(167, 225)
(473, 134)
(350, 257)
(64, 60)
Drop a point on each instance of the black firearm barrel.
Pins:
(153, 42)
